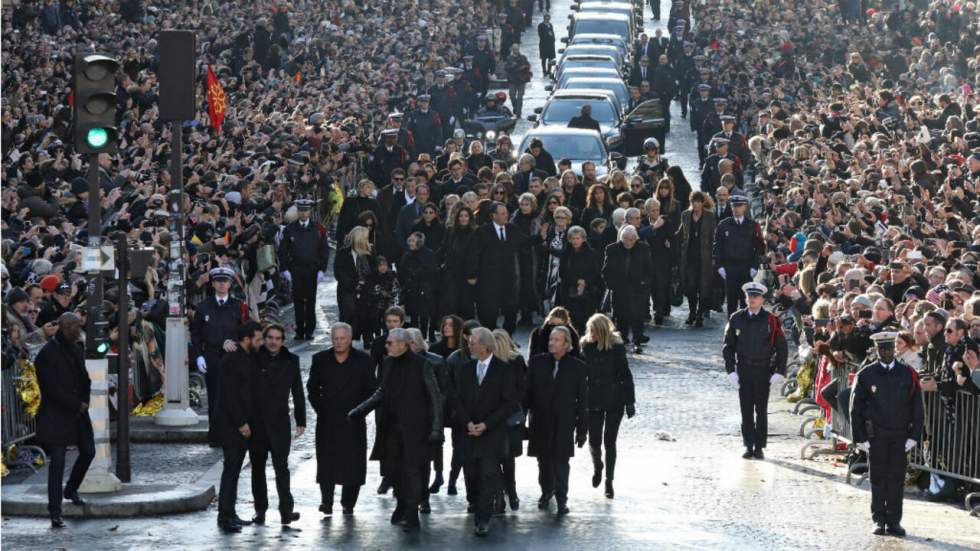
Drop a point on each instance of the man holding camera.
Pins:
(305, 253)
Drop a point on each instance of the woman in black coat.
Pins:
(456, 293)
(695, 238)
(580, 281)
(598, 204)
(431, 227)
(610, 392)
(526, 221)
(418, 277)
(355, 268)
(341, 377)
(538, 343)
(506, 350)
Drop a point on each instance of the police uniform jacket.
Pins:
(305, 250)
(886, 402)
(738, 244)
(214, 324)
(755, 345)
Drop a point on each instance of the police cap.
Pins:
(738, 199)
(885, 339)
(305, 204)
(222, 273)
(753, 288)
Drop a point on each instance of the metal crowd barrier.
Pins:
(17, 426)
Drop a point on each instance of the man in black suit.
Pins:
(555, 399)
(230, 423)
(485, 395)
(626, 271)
(642, 71)
(494, 270)
(62, 418)
(276, 375)
(411, 423)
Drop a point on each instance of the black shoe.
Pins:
(241, 522)
(481, 529)
(643, 339)
(699, 323)
(348, 511)
(259, 518)
(499, 507)
(75, 498)
(451, 489)
(327, 510)
(470, 509)
(425, 508)
(896, 530)
(515, 502)
(659, 320)
(57, 521)
(544, 500)
(562, 509)
(597, 477)
(748, 453)
(289, 517)
(436, 484)
(637, 349)
(229, 526)
(610, 493)
(690, 319)
(879, 529)
(383, 487)
(758, 454)
(397, 516)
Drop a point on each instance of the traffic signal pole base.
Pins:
(176, 410)
(100, 478)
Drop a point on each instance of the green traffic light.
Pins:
(96, 137)
(102, 347)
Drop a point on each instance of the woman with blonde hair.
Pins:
(507, 351)
(354, 268)
(610, 393)
(557, 316)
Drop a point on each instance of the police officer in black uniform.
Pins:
(711, 170)
(711, 124)
(425, 125)
(216, 322)
(738, 147)
(738, 250)
(755, 358)
(701, 106)
(305, 253)
(887, 417)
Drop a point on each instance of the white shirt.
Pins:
(501, 231)
(738, 220)
(481, 368)
(221, 300)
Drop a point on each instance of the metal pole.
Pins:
(123, 470)
(99, 477)
(176, 407)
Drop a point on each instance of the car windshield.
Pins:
(575, 147)
(613, 87)
(604, 62)
(602, 26)
(562, 111)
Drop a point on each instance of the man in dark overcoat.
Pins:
(341, 377)
(555, 399)
(626, 271)
(494, 270)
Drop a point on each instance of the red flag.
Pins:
(217, 102)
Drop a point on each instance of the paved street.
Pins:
(680, 481)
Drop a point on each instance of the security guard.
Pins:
(711, 124)
(738, 250)
(738, 147)
(755, 358)
(425, 125)
(711, 170)
(887, 417)
(216, 322)
(701, 106)
(305, 253)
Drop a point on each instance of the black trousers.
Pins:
(888, 461)
(604, 430)
(697, 303)
(655, 6)
(544, 5)
(660, 290)
(348, 495)
(304, 301)
(630, 313)
(553, 476)
(234, 457)
(736, 275)
(408, 492)
(753, 399)
(258, 452)
(492, 303)
(482, 476)
(56, 468)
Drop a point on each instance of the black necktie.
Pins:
(502, 238)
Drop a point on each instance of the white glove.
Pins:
(909, 444)
(452, 121)
(287, 276)
(202, 365)
(776, 378)
(321, 277)
(752, 272)
(733, 378)
(864, 446)
(721, 272)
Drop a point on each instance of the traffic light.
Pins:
(94, 87)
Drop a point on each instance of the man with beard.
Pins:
(341, 377)
(411, 421)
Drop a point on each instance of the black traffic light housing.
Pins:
(94, 87)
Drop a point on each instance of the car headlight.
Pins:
(490, 135)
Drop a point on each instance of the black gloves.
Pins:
(630, 410)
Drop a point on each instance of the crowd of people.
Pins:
(839, 148)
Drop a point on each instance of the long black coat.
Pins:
(491, 402)
(609, 376)
(65, 386)
(625, 284)
(557, 407)
(274, 378)
(351, 210)
(546, 40)
(706, 276)
(235, 403)
(335, 389)
(584, 264)
(494, 263)
(411, 410)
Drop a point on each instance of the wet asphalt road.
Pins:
(680, 481)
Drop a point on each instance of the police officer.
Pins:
(711, 124)
(701, 105)
(426, 126)
(887, 417)
(738, 250)
(755, 358)
(305, 254)
(446, 103)
(711, 170)
(216, 322)
(738, 147)
(387, 156)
